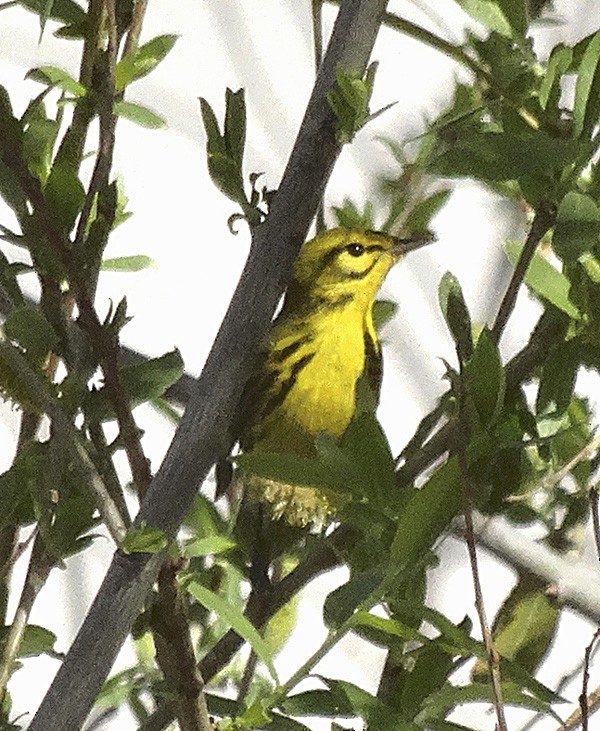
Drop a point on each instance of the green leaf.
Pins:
(143, 60)
(491, 14)
(211, 545)
(586, 102)
(348, 215)
(59, 78)
(36, 641)
(428, 511)
(486, 380)
(504, 156)
(234, 130)
(456, 314)
(577, 227)
(525, 625)
(64, 194)
(138, 114)
(134, 263)
(349, 100)
(343, 601)
(432, 665)
(65, 11)
(12, 134)
(144, 539)
(383, 311)
(420, 216)
(143, 381)
(18, 484)
(545, 280)
(236, 620)
(39, 138)
(449, 697)
(558, 64)
(225, 151)
(557, 381)
(27, 326)
(73, 515)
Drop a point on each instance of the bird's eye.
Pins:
(355, 249)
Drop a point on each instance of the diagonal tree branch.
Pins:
(205, 430)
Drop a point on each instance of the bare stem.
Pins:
(542, 222)
(135, 29)
(492, 653)
(595, 517)
(40, 565)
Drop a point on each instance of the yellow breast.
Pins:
(323, 391)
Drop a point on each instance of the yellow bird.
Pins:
(321, 343)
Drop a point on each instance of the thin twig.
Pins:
(595, 518)
(586, 453)
(492, 653)
(40, 565)
(541, 224)
(71, 438)
(135, 29)
(583, 698)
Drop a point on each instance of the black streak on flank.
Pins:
(289, 350)
(279, 397)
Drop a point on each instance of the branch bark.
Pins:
(204, 433)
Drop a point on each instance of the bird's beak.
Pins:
(403, 246)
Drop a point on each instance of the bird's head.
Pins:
(343, 264)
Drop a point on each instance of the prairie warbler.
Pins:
(321, 343)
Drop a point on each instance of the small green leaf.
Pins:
(456, 314)
(449, 697)
(343, 601)
(27, 326)
(420, 216)
(225, 151)
(36, 641)
(349, 100)
(138, 114)
(65, 194)
(65, 11)
(144, 539)
(143, 381)
(524, 626)
(348, 215)
(234, 131)
(135, 263)
(577, 227)
(383, 311)
(490, 14)
(557, 381)
(545, 280)
(143, 60)
(586, 81)
(486, 380)
(212, 545)
(236, 620)
(558, 64)
(428, 511)
(38, 144)
(59, 78)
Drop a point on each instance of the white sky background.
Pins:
(180, 221)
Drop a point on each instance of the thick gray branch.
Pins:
(204, 432)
